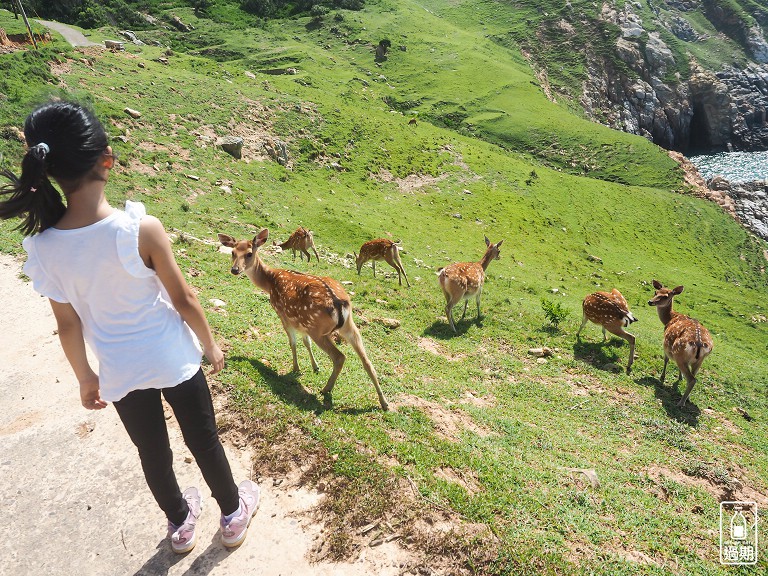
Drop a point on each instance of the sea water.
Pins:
(733, 166)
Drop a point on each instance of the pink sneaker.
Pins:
(233, 532)
(183, 537)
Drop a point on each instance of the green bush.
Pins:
(554, 312)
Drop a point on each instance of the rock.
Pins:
(391, 323)
(597, 259)
(277, 150)
(132, 37)
(232, 145)
(217, 303)
(179, 25)
(590, 474)
(132, 113)
(114, 45)
(541, 352)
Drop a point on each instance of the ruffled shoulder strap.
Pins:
(33, 268)
(128, 240)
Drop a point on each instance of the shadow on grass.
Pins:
(670, 395)
(597, 353)
(291, 391)
(442, 330)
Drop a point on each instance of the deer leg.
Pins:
(373, 263)
(309, 256)
(351, 334)
(316, 254)
(308, 344)
(605, 337)
(398, 265)
(690, 380)
(326, 345)
(477, 300)
(629, 338)
(583, 323)
(464, 312)
(407, 283)
(292, 342)
(664, 370)
(449, 311)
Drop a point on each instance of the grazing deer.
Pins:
(611, 311)
(686, 341)
(463, 280)
(381, 249)
(307, 305)
(300, 240)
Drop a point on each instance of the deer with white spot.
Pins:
(686, 341)
(300, 240)
(611, 311)
(311, 306)
(465, 280)
(381, 249)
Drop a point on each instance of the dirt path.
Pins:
(74, 499)
(74, 37)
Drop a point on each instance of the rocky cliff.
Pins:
(652, 83)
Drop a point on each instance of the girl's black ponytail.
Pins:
(65, 142)
(32, 196)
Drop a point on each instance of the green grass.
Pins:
(474, 407)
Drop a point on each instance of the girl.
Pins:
(112, 281)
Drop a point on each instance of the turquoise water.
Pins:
(733, 166)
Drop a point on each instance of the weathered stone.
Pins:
(232, 145)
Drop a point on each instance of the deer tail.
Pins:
(699, 343)
(341, 307)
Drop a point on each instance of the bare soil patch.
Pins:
(449, 424)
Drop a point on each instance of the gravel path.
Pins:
(71, 35)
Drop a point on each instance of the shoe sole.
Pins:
(188, 548)
(236, 543)
(240, 540)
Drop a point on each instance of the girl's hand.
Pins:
(215, 357)
(89, 394)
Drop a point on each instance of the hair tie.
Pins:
(40, 151)
(32, 189)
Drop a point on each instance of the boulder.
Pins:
(232, 145)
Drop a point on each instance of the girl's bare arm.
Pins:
(72, 341)
(155, 250)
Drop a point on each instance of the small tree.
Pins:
(554, 312)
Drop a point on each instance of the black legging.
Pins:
(142, 414)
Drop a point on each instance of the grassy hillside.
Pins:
(482, 433)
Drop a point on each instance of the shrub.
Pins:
(554, 312)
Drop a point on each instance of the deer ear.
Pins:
(498, 244)
(227, 240)
(677, 290)
(260, 238)
(657, 285)
(487, 242)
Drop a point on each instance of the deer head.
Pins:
(244, 251)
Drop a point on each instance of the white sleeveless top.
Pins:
(138, 337)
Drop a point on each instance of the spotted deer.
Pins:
(686, 341)
(381, 249)
(611, 311)
(311, 306)
(300, 240)
(464, 280)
